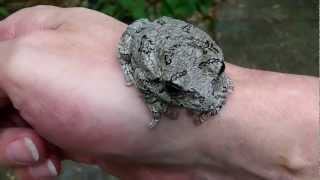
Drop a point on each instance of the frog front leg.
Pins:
(128, 77)
(201, 117)
(156, 108)
(125, 58)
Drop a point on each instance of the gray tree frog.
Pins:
(174, 64)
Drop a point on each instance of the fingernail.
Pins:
(23, 151)
(48, 169)
(52, 168)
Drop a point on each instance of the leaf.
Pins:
(135, 7)
(204, 9)
(182, 8)
(126, 3)
(204, 6)
(166, 9)
(139, 9)
(172, 3)
(3, 12)
(110, 10)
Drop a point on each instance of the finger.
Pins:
(48, 170)
(20, 147)
(28, 20)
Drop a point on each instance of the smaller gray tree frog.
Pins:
(174, 64)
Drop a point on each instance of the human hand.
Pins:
(22, 149)
(102, 112)
(60, 71)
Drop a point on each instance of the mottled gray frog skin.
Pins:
(173, 63)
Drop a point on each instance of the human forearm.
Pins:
(268, 127)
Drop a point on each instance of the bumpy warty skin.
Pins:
(174, 64)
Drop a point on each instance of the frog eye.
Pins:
(156, 80)
(222, 69)
(172, 88)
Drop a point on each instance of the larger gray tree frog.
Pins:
(173, 63)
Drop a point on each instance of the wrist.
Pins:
(261, 130)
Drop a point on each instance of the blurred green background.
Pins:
(277, 35)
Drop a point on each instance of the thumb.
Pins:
(28, 20)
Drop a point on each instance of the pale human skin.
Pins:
(59, 69)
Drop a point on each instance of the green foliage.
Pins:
(129, 10)
(180, 8)
(3, 12)
(125, 10)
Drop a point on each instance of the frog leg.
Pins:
(201, 117)
(125, 58)
(156, 108)
(128, 77)
(172, 113)
(155, 120)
